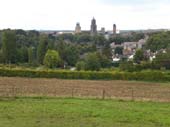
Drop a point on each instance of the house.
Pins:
(129, 48)
(113, 45)
(129, 45)
(141, 43)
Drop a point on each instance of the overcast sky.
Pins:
(63, 14)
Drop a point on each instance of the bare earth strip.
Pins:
(15, 86)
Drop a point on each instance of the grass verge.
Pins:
(59, 112)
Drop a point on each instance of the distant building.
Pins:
(78, 28)
(141, 43)
(93, 27)
(113, 45)
(129, 49)
(129, 45)
(102, 30)
(114, 29)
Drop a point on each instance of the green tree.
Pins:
(118, 39)
(24, 54)
(72, 55)
(31, 55)
(137, 36)
(107, 51)
(21, 40)
(1, 57)
(92, 62)
(42, 48)
(9, 46)
(67, 37)
(80, 65)
(0, 39)
(68, 52)
(158, 41)
(33, 38)
(104, 61)
(99, 39)
(52, 59)
(139, 56)
(118, 50)
(83, 38)
(163, 60)
(127, 66)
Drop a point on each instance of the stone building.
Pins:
(78, 28)
(93, 27)
(102, 30)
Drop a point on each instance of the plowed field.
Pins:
(128, 90)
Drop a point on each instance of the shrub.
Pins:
(92, 75)
(80, 65)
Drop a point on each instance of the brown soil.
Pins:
(15, 86)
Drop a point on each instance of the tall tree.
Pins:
(22, 55)
(9, 46)
(107, 51)
(104, 61)
(69, 53)
(72, 55)
(42, 48)
(52, 59)
(1, 57)
(0, 39)
(32, 55)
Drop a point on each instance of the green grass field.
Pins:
(57, 112)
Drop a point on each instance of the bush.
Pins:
(92, 75)
(80, 65)
(127, 66)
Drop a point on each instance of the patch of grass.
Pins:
(57, 112)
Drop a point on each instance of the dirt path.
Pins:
(84, 88)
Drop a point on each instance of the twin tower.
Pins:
(93, 28)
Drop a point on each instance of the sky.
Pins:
(64, 14)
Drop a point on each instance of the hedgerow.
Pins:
(91, 75)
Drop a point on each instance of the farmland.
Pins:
(43, 102)
(126, 90)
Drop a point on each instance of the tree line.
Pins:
(34, 49)
(83, 51)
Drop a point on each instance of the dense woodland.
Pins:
(32, 48)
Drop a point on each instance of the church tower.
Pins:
(93, 27)
(78, 28)
(114, 29)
